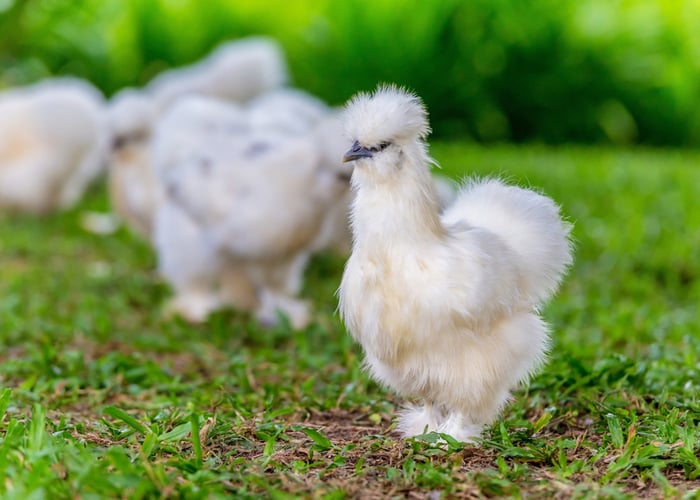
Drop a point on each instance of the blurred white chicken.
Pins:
(235, 71)
(53, 144)
(444, 306)
(243, 205)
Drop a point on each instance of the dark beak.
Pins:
(356, 152)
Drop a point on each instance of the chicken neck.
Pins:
(402, 208)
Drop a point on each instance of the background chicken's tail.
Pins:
(529, 223)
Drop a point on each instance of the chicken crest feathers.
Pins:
(390, 113)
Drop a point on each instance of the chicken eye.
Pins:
(381, 147)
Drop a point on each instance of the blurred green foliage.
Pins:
(619, 71)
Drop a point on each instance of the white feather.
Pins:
(253, 197)
(53, 141)
(445, 307)
(236, 72)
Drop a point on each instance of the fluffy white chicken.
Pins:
(242, 207)
(236, 71)
(444, 306)
(53, 141)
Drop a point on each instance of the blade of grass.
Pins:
(196, 444)
(120, 414)
(4, 401)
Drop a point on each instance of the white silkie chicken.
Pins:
(235, 71)
(241, 210)
(53, 144)
(444, 306)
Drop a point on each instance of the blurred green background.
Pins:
(594, 71)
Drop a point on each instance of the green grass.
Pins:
(101, 397)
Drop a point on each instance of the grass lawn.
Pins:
(100, 397)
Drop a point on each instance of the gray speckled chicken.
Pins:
(236, 71)
(242, 206)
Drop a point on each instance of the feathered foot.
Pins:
(459, 427)
(192, 306)
(271, 303)
(417, 420)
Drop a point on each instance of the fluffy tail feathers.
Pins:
(528, 222)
